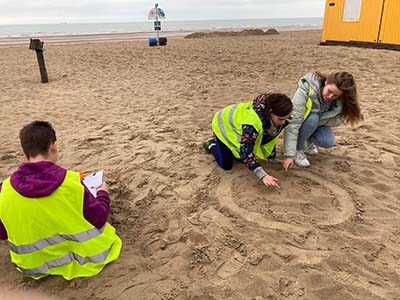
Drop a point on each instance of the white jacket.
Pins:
(331, 118)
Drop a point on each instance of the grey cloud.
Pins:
(136, 10)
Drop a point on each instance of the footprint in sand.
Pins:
(232, 266)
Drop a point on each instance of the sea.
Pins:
(65, 29)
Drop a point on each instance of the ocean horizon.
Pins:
(63, 29)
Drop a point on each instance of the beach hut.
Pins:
(373, 23)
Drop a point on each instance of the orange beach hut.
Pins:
(374, 23)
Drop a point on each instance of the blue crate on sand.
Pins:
(152, 42)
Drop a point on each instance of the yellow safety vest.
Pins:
(309, 103)
(50, 236)
(227, 126)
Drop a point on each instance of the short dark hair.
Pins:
(36, 138)
(280, 104)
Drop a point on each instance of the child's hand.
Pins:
(271, 181)
(103, 187)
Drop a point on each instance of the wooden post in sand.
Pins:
(37, 45)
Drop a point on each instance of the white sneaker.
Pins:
(311, 149)
(301, 159)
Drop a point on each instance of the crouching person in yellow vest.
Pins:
(53, 224)
(249, 131)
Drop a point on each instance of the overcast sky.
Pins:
(56, 11)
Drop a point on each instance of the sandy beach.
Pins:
(191, 230)
(117, 37)
(86, 38)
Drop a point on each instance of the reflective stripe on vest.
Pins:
(65, 260)
(56, 239)
(309, 104)
(231, 128)
(227, 126)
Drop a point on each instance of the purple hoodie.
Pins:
(40, 179)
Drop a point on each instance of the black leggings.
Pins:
(223, 155)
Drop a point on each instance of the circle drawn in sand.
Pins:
(304, 199)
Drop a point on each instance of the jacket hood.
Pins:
(35, 180)
(315, 84)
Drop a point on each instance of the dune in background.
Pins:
(245, 32)
(191, 230)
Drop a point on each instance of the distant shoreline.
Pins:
(103, 37)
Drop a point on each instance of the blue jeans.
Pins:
(222, 154)
(321, 136)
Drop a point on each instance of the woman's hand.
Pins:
(270, 181)
(287, 163)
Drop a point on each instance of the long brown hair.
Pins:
(345, 82)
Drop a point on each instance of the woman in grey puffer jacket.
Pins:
(320, 102)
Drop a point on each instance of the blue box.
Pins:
(152, 42)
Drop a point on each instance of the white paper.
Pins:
(93, 181)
